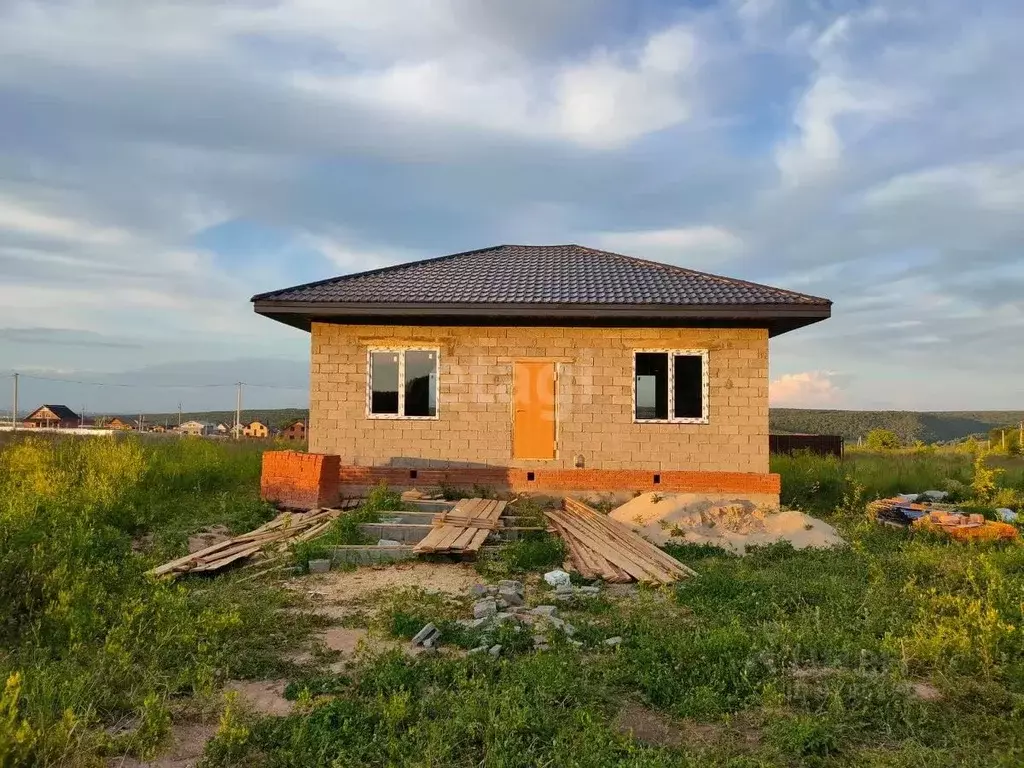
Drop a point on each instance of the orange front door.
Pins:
(533, 427)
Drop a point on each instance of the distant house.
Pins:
(195, 428)
(256, 429)
(158, 428)
(118, 423)
(222, 428)
(52, 416)
(294, 431)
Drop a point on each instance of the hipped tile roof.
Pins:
(539, 275)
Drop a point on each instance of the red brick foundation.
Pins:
(543, 480)
(300, 480)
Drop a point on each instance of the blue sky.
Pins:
(161, 162)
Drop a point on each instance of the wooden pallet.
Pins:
(603, 548)
(462, 529)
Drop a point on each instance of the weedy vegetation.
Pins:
(900, 649)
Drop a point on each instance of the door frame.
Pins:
(555, 365)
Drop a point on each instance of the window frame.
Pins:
(705, 404)
(400, 351)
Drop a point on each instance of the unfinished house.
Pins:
(52, 416)
(544, 368)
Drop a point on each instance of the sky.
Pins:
(161, 162)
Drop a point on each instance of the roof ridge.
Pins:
(378, 270)
(690, 271)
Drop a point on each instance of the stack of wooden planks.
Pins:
(462, 529)
(603, 548)
(285, 529)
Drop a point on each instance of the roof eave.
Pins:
(778, 318)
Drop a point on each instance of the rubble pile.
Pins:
(504, 604)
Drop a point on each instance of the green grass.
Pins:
(86, 637)
(779, 658)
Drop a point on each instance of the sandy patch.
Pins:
(925, 691)
(733, 525)
(341, 587)
(184, 750)
(263, 696)
(648, 727)
(344, 641)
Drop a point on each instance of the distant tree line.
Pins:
(908, 426)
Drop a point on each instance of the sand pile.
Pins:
(733, 525)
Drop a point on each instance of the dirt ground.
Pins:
(263, 696)
(648, 727)
(184, 750)
(733, 524)
(350, 587)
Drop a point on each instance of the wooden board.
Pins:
(463, 528)
(606, 548)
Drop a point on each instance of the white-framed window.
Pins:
(670, 385)
(401, 383)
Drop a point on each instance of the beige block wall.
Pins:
(594, 400)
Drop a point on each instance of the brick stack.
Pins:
(300, 480)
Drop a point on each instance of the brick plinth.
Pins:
(544, 480)
(300, 480)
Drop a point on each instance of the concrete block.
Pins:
(510, 597)
(545, 610)
(613, 641)
(484, 608)
(495, 650)
(506, 584)
(478, 649)
(424, 633)
(478, 590)
(319, 566)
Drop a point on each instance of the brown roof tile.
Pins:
(538, 275)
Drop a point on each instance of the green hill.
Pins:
(930, 427)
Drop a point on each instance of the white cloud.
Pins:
(809, 389)
(350, 257)
(996, 187)
(686, 246)
(19, 218)
(819, 144)
(608, 99)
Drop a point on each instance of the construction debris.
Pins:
(273, 537)
(464, 528)
(906, 510)
(600, 547)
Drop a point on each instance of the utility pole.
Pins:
(238, 412)
(14, 413)
(140, 422)
(179, 414)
